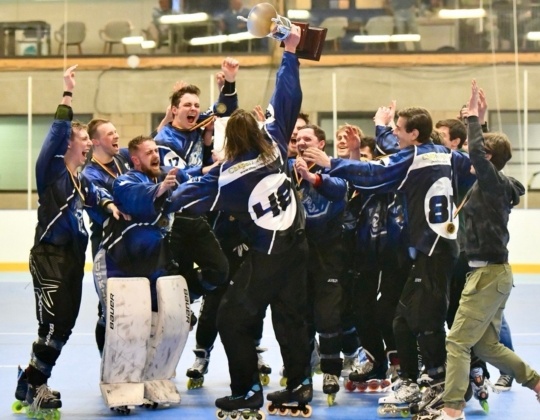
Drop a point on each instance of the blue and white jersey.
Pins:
(187, 147)
(62, 196)
(381, 233)
(425, 175)
(324, 206)
(137, 247)
(103, 177)
(260, 196)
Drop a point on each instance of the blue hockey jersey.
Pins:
(324, 206)
(185, 149)
(260, 196)
(62, 196)
(425, 175)
(138, 247)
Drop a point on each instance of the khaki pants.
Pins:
(477, 325)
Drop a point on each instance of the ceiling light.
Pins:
(298, 14)
(148, 44)
(208, 40)
(461, 13)
(185, 18)
(373, 39)
(533, 36)
(132, 40)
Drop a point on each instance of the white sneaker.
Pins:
(350, 364)
(407, 393)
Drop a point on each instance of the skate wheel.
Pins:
(151, 405)
(17, 407)
(385, 384)
(373, 385)
(383, 410)
(272, 410)
(220, 414)
(283, 411)
(295, 412)
(485, 405)
(194, 383)
(265, 379)
(350, 385)
(283, 381)
(331, 399)
(307, 411)
(260, 415)
(362, 386)
(405, 412)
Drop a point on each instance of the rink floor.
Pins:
(77, 372)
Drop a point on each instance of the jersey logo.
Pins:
(439, 208)
(271, 204)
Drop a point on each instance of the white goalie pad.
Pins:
(128, 325)
(170, 330)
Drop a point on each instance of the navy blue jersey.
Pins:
(137, 247)
(260, 196)
(424, 174)
(324, 206)
(381, 229)
(62, 196)
(187, 147)
(104, 176)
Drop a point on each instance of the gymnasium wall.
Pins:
(17, 235)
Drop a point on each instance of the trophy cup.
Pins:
(263, 21)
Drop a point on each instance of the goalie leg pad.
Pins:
(170, 331)
(128, 324)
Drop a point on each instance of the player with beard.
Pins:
(142, 194)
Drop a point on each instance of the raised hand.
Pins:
(385, 114)
(220, 79)
(168, 183)
(69, 78)
(230, 67)
(482, 106)
(292, 41)
(259, 113)
(316, 156)
(179, 85)
(474, 99)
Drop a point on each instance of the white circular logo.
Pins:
(271, 203)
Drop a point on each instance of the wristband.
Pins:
(67, 93)
(318, 181)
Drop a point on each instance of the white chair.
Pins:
(75, 34)
(380, 25)
(113, 32)
(336, 26)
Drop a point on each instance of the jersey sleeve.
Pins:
(286, 101)
(380, 176)
(135, 197)
(50, 160)
(196, 196)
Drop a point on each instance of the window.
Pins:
(14, 145)
(512, 126)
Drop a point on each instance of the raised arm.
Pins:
(56, 142)
(286, 100)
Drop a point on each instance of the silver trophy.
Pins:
(263, 21)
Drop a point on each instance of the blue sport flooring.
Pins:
(77, 372)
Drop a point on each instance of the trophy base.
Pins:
(311, 41)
